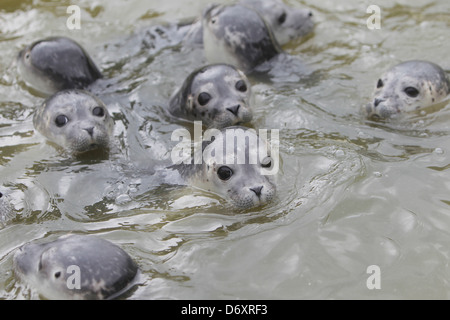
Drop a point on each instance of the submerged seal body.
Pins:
(236, 165)
(287, 23)
(76, 267)
(75, 120)
(408, 86)
(55, 64)
(219, 95)
(237, 35)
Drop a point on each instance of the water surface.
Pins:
(351, 193)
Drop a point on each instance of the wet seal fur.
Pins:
(408, 86)
(244, 184)
(105, 270)
(75, 120)
(287, 23)
(57, 63)
(237, 35)
(219, 95)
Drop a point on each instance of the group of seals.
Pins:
(235, 37)
(71, 117)
(76, 267)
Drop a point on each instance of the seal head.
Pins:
(237, 35)
(408, 86)
(237, 165)
(76, 267)
(75, 120)
(219, 95)
(287, 23)
(55, 64)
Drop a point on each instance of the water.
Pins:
(351, 193)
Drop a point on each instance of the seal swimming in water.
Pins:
(55, 64)
(408, 86)
(287, 23)
(76, 267)
(236, 165)
(75, 120)
(219, 95)
(237, 35)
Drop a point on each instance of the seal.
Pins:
(408, 86)
(237, 35)
(237, 165)
(219, 95)
(76, 267)
(75, 120)
(55, 64)
(287, 23)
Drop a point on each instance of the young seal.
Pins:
(236, 165)
(237, 35)
(55, 64)
(76, 267)
(408, 86)
(287, 23)
(75, 120)
(219, 95)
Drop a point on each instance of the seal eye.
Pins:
(1, 194)
(98, 112)
(412, 92)
(61, 120)
(203, 98)
(380, 83)
(241, 86)
(224, 173)
(57, 274)
(282, 18)
(267, 163)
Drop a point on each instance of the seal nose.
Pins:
(234, 110)
(376, 102)
(257, 190)
(90, 130)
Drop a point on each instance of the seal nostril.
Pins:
(234, 110)
(90, 131)
(257, 190)
(376, 102)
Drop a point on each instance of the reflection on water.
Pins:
(351, 192)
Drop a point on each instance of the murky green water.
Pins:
(351, 193)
